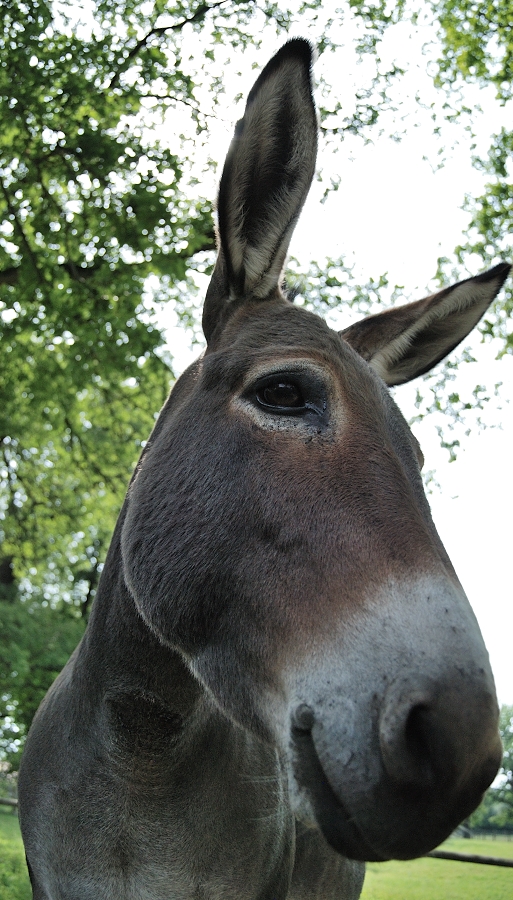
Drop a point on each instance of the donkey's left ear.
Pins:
(402, 343)
(265, 181)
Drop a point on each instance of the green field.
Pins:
(14, 881)
(442, 879)
(422, 879)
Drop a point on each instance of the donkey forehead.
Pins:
(276, 320)
(276, 332)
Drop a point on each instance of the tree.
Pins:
(477, 42)
(496, 810)
(96, 224)
(87, 210)
(478, 49)
(100, 218)
(36, 643)
(504, 791)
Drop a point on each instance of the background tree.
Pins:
(102, 216)
(36, 643)
(478, 49)
(496, 810)
(99, 220)
(87, 209)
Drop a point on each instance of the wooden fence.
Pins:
(473, 858)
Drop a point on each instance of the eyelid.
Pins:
(299, 377)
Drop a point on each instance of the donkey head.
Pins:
(278, 537)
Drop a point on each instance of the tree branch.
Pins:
(200, 13)
(185, 102)
(10, 275)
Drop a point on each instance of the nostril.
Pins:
(408, 740)
(303, 718)
(415, 732)
(417, 743)
(426, 738)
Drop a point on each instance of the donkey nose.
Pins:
(436, 737)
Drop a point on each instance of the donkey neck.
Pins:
(125, 655)
(173, 756)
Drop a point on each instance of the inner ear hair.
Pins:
(401, 344)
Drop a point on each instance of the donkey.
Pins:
(281, 677)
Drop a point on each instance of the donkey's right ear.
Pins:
(265, 181)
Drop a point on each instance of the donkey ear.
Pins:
(265, 181)
(402, 343)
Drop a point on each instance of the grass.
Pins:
(420, 879)
(14, 880)
(441, 879)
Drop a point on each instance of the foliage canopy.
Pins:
(496, 811)
(477, 45)
(101, 217)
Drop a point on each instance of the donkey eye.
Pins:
(281, 395)
(300, 394)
